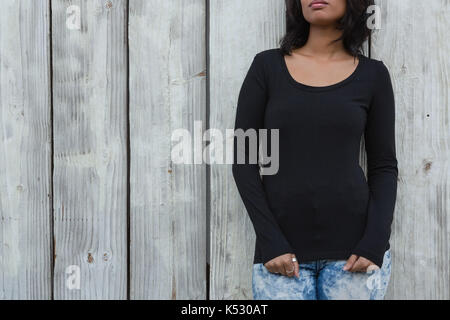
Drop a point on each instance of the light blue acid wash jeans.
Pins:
(322, 280)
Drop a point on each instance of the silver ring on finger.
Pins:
(294, 259)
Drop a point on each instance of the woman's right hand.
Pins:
(284, 265)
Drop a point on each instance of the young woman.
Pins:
(322, 229)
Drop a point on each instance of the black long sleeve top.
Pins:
(319, 204)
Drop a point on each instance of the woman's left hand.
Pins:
(359, 264)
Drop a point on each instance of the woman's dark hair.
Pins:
(353, 24)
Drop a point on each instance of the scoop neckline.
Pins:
(361, 60)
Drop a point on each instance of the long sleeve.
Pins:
(250, 115)
(382, 169)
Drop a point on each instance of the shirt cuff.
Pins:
(270, 252)
(375, 258)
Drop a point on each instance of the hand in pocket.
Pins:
(286, 264)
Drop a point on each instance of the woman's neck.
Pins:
(320, 43)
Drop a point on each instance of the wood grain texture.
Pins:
(167, 91)
(90, 169)
(238, 30)
(413, 43)
(25, 237)
(168, 206)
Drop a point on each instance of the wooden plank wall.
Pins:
(25, 188)
(238, 30)
(90, 144)
(87, 117)
(168, 206)
(413, 43)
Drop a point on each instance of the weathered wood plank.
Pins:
(90, 168)
(167, 92)
(238, 30)
(413, 43)
(25, 195)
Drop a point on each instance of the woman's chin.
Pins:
(321, 18)
(321, 21)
